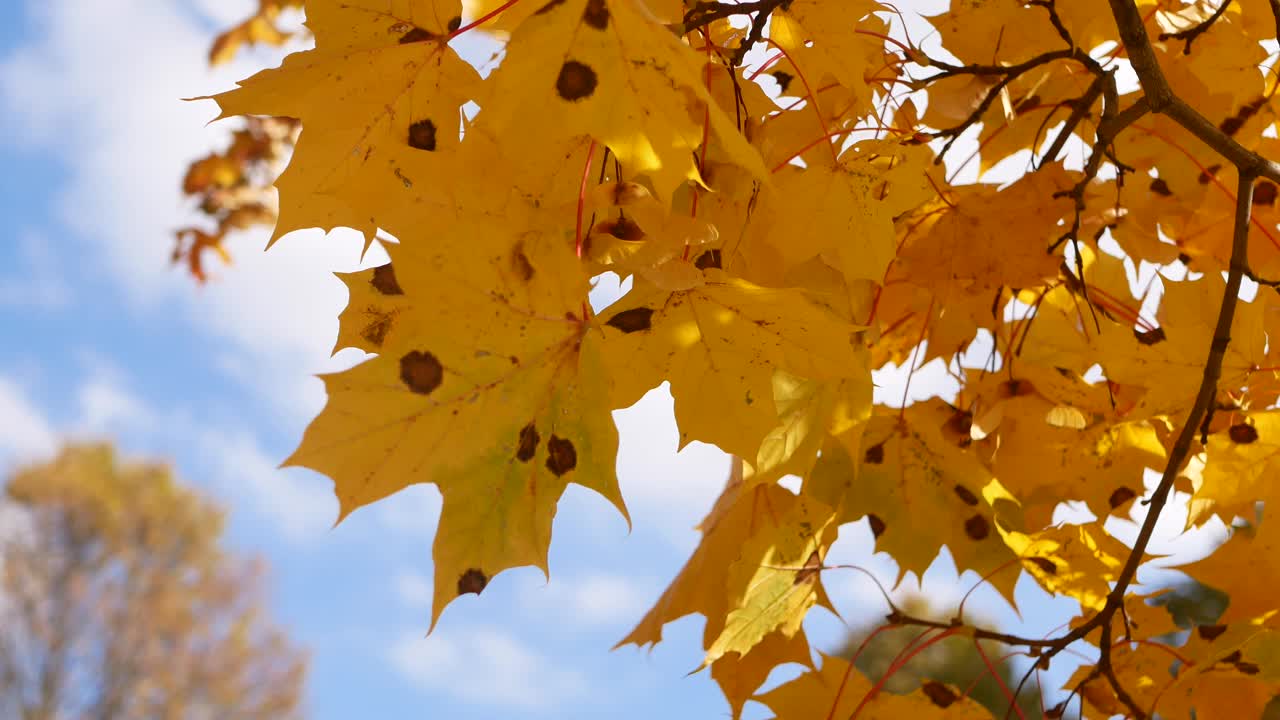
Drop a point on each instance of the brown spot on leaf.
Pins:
(1029, 102)
(1045, 564)
(939, 694)
(623, 228)
(811, 568)
(520, 264)
(1208, 174)
(561, 457)
(422, 135)
(1184, 258)
(708, 259)
(1264, 193)
(876, 524)
(375, 332)
(454, 23)
(384, 280)
(1233, 658)
(1248, 668)
(958, 426)
(977, 528)
(633, 320)
(1242, 434)
(576, 81)
(415, 35)
(1209, 632)
(1121, 496)
(472, 581)
(1160, 187)
(784, 80)
(874, 454)
(528, 443)
(967, 497)
(420, 371)
(549, 7)
(1149, 337)
(596, 15)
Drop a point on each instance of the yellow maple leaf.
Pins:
(608, 70)
(718, 345)
(489, 384)
(378, 97)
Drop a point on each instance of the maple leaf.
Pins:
(378, 98)
(602, 68)
(488, 338)
(718, 346)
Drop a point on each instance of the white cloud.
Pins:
(81, 90)
(27, 434)
(296, 502)
(108, 406)
(37, 283)
(483, 664)
(594, 599)
(413, 589)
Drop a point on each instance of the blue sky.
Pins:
(104, 340)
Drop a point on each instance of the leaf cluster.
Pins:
(770, 178)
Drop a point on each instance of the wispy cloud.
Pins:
(484, 665)
(27, 433)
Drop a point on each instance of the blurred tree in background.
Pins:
(954, 660)
(118, 601)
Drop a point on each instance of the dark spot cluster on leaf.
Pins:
(576, 81)
(596, 14)
(1264, 193)
(623, 228)
(416, 35)
(1121, 496)
(422, 135)
(1209, 632)
(784, 80)
(958, 428)
(1242, 434)
(876, 525)
(1233, 124)
(1160, 187)
(384, 280)
(1029, 102)
(967, 497)
(528, 443)
(473, 581)
(561, 456)
(874, 454)
(1045, 564)
(420, 371)
(1149, 337)
(812, 567)
(520, 264)
(375, 331)
(708, 259)
(977, 528)
(633, 320)
(938, 694)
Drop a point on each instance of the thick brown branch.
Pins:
(1161, 99)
